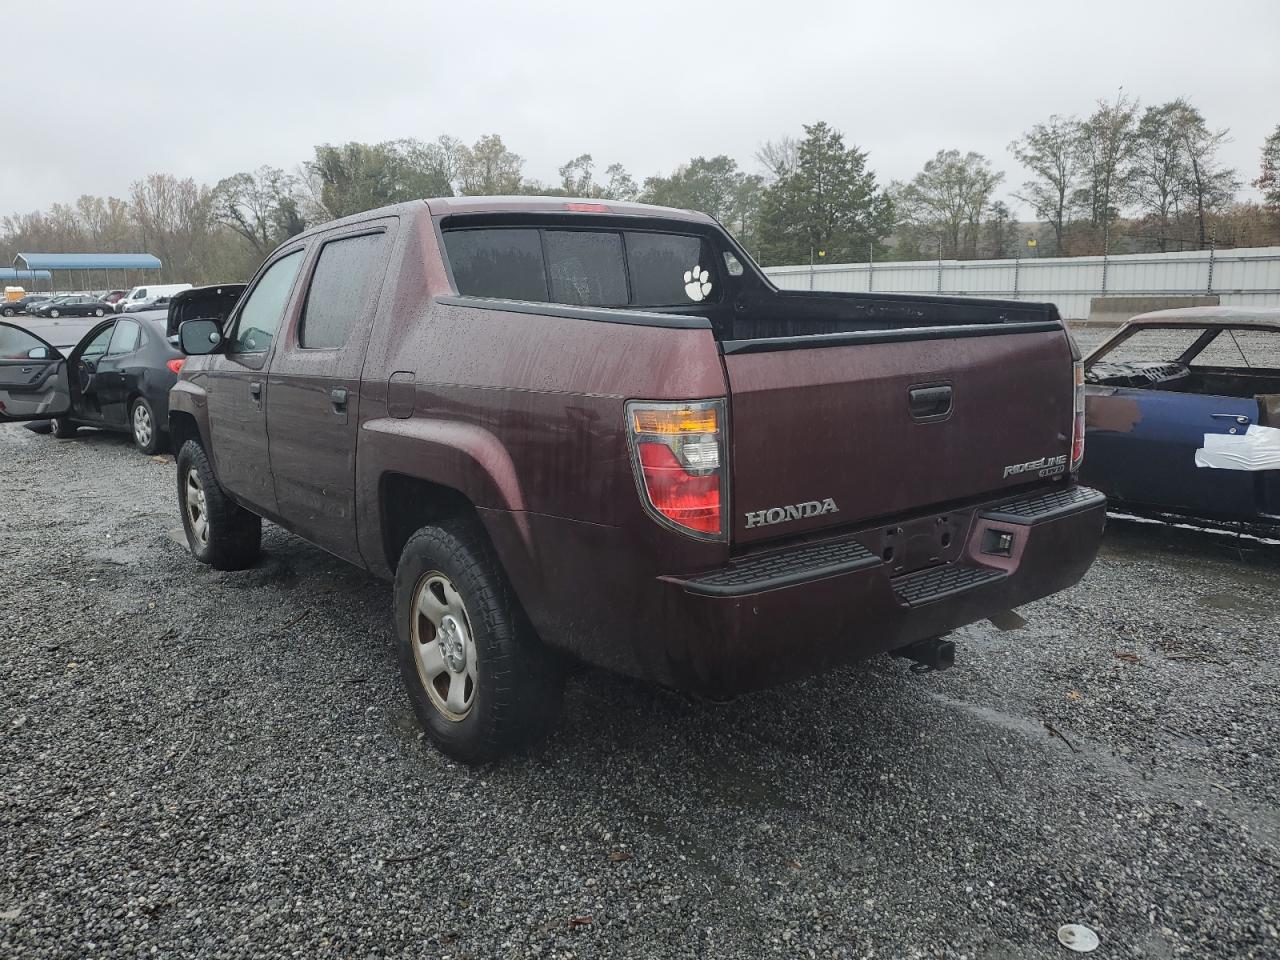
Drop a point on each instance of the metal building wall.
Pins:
(1245, 277)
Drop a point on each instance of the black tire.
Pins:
(232, 536)
(155, 441)
(519, 683)
(62, 428)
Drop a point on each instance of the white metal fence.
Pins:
(1242, 277)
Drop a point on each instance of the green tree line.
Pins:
(1121, 178)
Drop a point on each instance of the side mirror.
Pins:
(38, 353)
(198, 337)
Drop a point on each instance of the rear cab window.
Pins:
(339, 292)
(589, 267)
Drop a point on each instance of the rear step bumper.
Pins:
(767, 619)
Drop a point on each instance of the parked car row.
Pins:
(150, 297)
(120, 370)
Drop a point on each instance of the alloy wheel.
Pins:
(443, 647)
(197, 507)
(142, 426)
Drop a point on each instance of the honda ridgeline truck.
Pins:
(597, 429)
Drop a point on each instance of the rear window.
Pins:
(597, 268)
(586, 268)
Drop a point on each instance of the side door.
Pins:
(34, 381)
(314, 387)
(1144, 443)
(236, 384)
(112, 383)
(84, 361)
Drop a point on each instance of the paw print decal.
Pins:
(697, 284)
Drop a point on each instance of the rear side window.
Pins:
(339, 290)
(663, 266)
(497, 263)
(596, 268)
(125, 339)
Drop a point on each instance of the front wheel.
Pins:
(480, 681)
(54, 314)
(219, 531)
(98, 312)
(9, 312)
(142, 422)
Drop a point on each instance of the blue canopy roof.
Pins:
(8, 273)
(86, 261)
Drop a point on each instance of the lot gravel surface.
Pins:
(214, 764)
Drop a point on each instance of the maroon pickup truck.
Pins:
(597, 431)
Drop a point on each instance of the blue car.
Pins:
(1183, 417)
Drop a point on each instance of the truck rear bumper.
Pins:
(779, 616)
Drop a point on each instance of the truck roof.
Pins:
(451, 206)
(447, 206)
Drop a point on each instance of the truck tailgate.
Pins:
(832, 434)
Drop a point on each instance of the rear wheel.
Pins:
(62, 428)
(481, 682)
(146, 432)
(219, 531)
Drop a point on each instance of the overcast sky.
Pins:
(103, 93)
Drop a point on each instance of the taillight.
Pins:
(1077, 423)
(678, 450)
(176, 364)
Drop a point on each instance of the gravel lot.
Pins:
(225, 765)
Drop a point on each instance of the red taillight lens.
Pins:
(176, 364)
(679, 453)
(1077, 422)
(689, 501)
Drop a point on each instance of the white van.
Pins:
(144, 298)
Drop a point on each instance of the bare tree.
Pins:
(1269, 172)
(1160, 167)
(779, 157)
(1049, 151)
(1211, 186)
(1105, 146)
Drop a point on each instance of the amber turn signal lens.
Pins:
(674, 421)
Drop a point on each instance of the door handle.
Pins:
(338, 397)
(929, 403)
(255, 388)
(1237, 417)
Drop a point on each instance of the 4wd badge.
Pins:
(1044, 467)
